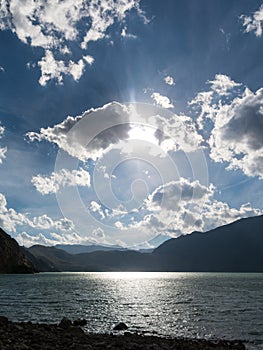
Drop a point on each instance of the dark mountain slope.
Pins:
(234, 247)
(12, 259)
(50, 258)
(53, 259)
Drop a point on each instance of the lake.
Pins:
(200, 305)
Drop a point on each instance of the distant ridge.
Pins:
(12, 259)
(80, 248)
(147, 246)
(236, 247)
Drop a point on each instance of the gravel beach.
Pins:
(66, 336)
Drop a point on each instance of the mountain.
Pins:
(79, 248)
(149, 246)
(236, 247)
(146, 247)
(12, 258)
(53, 259)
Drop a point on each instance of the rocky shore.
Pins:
(69, 335)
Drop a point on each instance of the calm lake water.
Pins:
(205, 305)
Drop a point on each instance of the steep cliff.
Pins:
(12, 259)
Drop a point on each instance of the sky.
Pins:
(124, 119)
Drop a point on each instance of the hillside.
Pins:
(12, 259)
(234, 247)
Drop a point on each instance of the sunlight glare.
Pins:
(144, 133)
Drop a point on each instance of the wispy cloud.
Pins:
(2, 149)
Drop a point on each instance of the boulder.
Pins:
(65, 323)
(80, 322)
(3, 319)
(120, 327)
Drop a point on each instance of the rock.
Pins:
(80, 322)
(120, 327)
(3, 319)
(65, 323)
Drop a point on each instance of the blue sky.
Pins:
(167, 93)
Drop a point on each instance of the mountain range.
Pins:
(236, 247)
(144, 247)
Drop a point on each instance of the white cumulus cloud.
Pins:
(237, 136)
(55, 25)
(236, 124)
(87, 136)
(63, 178)
(93, 134)
(10, 219)
(169, 80)
(55, 69)
(161, 100)
(222, 84)
(181, 207)
(254, 22)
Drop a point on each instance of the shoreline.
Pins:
(43, 336)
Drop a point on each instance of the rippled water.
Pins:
(206, 305)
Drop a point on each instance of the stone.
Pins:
(120, 327)
(80, 322)
(65, 323)
(3, 319)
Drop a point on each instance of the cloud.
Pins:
(237, 135)
(84, 142)
(208, 103)
(126, 35)
(234, 133)
(181, 207)
(63, 178)
(161, 100)
(53, 238)
(203, 101)
(2, 149)
(2, 154)
(178, 132)
(176, 193)
(254, 22)
(2, 130)
(55, 25)
(55, 69)
(10, 219)
(98, 233)
(96, 208)
(222, 84)
(169, 80)
(97, 131)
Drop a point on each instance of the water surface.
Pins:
(203, 305)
